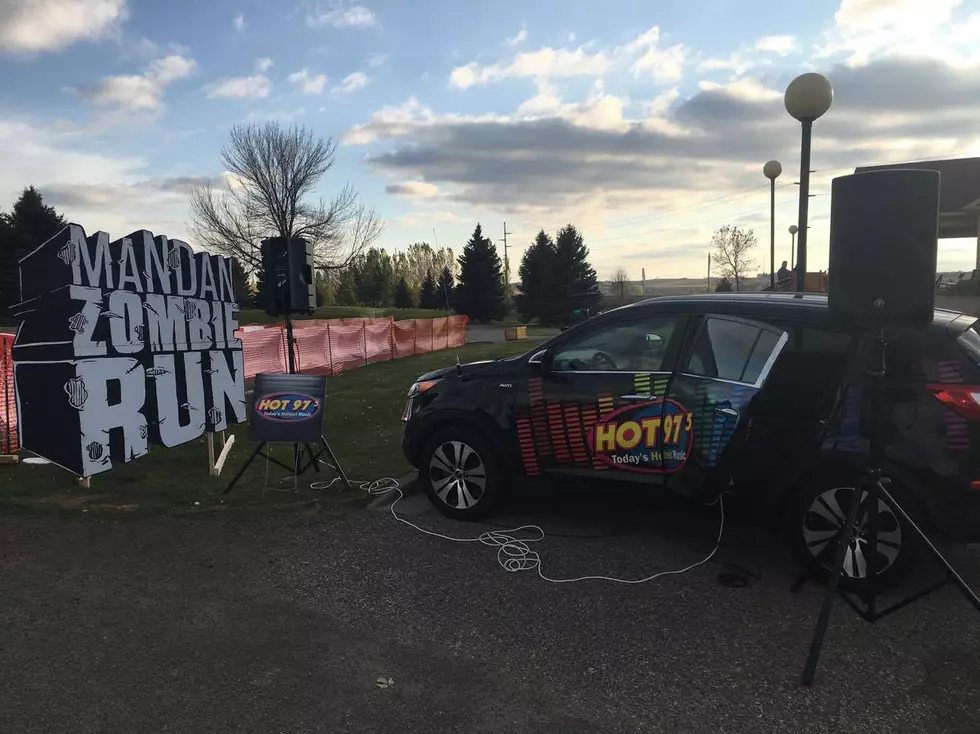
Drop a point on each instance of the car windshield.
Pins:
(969, 341)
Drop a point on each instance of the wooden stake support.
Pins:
(215, 466)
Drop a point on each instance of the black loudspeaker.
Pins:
(884, 236)
(287, 272)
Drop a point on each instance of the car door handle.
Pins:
(728, 412)
(636, 397)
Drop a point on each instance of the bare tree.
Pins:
(621, 284)
(733, 247)
(271, 173)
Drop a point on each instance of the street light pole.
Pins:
(807, 98)
(792, 246)
(771, 170)
(804, 204)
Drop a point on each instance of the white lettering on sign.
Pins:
(124, 344)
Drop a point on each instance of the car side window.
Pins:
(731, 350)
(634, 346)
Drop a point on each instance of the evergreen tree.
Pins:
(403, 294)
(346, 294)
(239, 281)
(534, 274)
(376, 281)
(573, 281)
(480, 293)
(445, 290)
(29, 224)
(427, 292)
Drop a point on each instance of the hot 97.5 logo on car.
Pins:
(653, 437)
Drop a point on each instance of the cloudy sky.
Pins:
(645, 124)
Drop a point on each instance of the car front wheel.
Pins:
(817, 520)
(461, 473)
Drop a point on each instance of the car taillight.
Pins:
(964, 400)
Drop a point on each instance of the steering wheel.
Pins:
(601, 360)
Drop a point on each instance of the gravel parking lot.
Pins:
(203, 626)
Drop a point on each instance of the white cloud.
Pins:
(781, 45)
(141, 91)
(377, 60)
(663, 64)
(256, 86)
(547, 63)
(239, 23)
(308, 83)
(864, 29)
(262, 65)
(643, 56)
(750, 56)
(31, 26)
(339, 16)
(413, 188)
(352, 82)
(116, 193)
(519, 38)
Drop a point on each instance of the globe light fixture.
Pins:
(771, 170)
(807, 98)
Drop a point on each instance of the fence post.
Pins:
(415, 337)
(329, 352)
(364, 340)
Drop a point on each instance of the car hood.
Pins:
(473, 369)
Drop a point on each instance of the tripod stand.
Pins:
(871, 489)
(299, 453)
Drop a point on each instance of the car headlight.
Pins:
(420, 387)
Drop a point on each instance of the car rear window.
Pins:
(969, 342)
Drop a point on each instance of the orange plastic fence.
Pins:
(322, 347)
(334, 345)
(8, 404)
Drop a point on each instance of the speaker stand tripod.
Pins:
(864, 504)
(322, 448)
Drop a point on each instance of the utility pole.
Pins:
(506, 261)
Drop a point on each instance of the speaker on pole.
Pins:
(884, 236)
(287, 276)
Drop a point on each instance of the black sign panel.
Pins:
(123, 344)
(288, 408)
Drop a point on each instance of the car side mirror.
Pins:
(541, 361)
(654, 341)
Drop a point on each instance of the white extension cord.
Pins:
(514, 553)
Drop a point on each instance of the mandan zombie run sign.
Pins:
(123, 344)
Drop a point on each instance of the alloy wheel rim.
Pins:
(457, 474)
(823, 523)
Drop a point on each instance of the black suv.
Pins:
(760, 394)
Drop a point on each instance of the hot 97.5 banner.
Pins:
(123, 344)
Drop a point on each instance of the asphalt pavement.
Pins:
(177, 625)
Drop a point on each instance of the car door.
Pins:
(723, 368)
(596, 406)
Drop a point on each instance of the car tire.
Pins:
(462, 473)
(815, 517)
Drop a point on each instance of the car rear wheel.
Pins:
(461, 473)
(817, 519)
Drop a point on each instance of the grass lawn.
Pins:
(361, 422)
